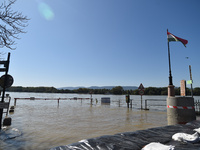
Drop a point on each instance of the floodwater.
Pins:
(44, 124)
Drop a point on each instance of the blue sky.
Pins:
(106, 42)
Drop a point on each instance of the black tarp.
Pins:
(138, 139)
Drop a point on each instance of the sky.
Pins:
(105, 43)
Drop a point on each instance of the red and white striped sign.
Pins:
(180, 107)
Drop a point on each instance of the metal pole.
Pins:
(191, 79)
(4, 88)
(5, 80)
(145, 104)
(1, 115)
(15, 101)
(141, 102)
(131, 103)
(170, 73)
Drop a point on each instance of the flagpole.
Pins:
(170, 72)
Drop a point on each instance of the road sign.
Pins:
(189, 82)
(4, 105)
(141, 92)
(9, 81)
(141, 87)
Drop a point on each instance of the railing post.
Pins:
(146, 104)
(131, 103)
(15, 101)
(8, 106)
(119, 103)
(58, 100)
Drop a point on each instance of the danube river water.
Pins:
(44, 124)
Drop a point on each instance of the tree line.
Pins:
(118, 90)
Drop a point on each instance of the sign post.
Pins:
(5, 82)
(141, 92)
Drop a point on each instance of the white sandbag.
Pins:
(184, 137)
(197, 130)
(157, 146)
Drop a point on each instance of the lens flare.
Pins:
(46, 11)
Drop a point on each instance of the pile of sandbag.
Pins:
(181, 137)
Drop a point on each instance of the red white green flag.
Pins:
(172, 37)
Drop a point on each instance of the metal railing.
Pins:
(197, 106)
(150, 100)
(58, 99)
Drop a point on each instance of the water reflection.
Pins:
(47, 124)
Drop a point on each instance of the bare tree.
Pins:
(11, 25)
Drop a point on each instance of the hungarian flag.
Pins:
(172, 37)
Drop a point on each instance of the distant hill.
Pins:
(100, 87)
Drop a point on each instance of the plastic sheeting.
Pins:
(137, 140)
(9, 133)
(187, 138)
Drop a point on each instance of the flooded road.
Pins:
(43, 124)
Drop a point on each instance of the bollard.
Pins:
(11, 111)
(180, 110)
(7, 121)
(12, 107)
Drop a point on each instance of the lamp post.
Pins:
(170, 72)
(171, 91)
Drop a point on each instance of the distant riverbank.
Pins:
(118, 90)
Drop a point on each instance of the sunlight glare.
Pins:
(46, 11)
